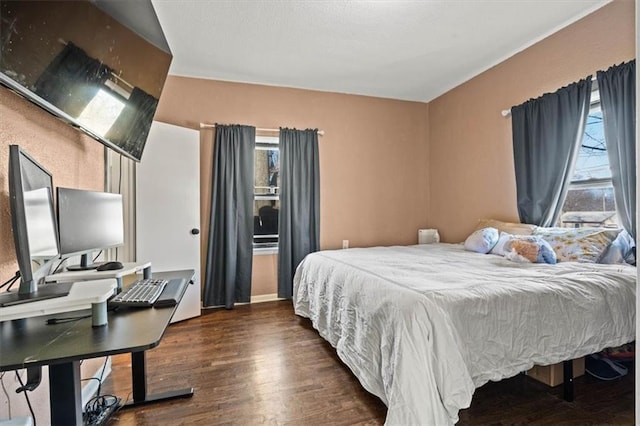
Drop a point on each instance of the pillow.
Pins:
(482, 240)
(578, 244)
(530, 249)
(620, 250)
(508, 227)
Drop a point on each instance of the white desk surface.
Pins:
(81, 296)
(92, 274)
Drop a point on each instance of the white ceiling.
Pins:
(411, 50)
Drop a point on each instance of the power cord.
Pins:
(99, 408)
(33, 416)
(60, 264)
(11, 281)
(5, 392)
(52, 321)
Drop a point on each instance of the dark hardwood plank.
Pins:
(260, 364)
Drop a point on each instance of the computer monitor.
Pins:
(34, 228)
(88, 221)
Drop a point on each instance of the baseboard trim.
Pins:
(265, 298)
(254, 299)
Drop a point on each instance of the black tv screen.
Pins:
(98, 65)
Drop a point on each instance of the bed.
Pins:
(423, 326)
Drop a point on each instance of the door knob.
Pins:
(195, 231)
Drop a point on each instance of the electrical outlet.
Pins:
(345, 244)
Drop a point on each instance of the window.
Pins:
(590, 200)
(101, 112)
(266, 204)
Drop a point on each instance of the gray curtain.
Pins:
(299, 224)
(617, 87)
(547, 133)
(230, 249)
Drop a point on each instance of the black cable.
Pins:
(98, 255)
(51, 321)
(11, 285)
(11, 281)
(96, 406)
(33, 416)
(99, 404)
(104, 366)
(59, 265)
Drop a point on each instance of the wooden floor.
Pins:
(260, 364)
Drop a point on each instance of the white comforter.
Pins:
(423, 326)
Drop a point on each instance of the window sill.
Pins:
(262, 251)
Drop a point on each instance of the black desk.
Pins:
(31, 343)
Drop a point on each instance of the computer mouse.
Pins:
(110, 266)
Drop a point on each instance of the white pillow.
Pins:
(482, 240)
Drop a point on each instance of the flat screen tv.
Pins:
(98, 65)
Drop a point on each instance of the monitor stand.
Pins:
(46, 291)
(85, 264)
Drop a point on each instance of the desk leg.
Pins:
(65, 393)
(139, 384)
(139, 376)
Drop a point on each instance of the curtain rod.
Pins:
(114, 75)
(211, 126)
(507, 112)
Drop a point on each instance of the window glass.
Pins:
(590, 200)
(592, 162)
(266, 206)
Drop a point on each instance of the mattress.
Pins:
(423, 326)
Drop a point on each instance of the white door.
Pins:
(168, 207)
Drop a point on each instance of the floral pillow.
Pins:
(529, 249)
(578, 244)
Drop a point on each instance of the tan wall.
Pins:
(265, 275)
(373, 157)
(471, 156)
(74, 160)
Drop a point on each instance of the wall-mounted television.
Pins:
(99, 65)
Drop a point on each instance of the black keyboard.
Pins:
(142, 293)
